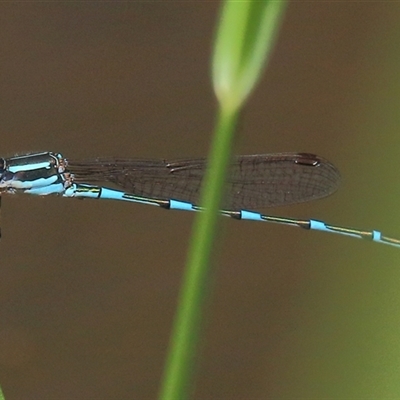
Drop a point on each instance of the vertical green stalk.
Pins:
(245, 37)
(195, 287)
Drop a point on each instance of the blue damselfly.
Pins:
(255, 181)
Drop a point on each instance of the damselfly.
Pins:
(255, 181)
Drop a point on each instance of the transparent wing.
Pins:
(254, 181)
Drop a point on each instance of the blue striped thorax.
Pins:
(39, 173)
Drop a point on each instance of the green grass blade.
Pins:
(242, 43)
(245, 39)
(182, 358)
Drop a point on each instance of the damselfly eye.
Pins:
(5, 177)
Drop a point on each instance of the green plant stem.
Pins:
(245, 37)
(181, 358)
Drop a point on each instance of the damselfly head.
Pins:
(6, 178)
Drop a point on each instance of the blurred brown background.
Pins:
(88, 289)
